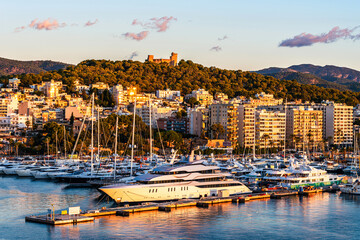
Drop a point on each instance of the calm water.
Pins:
(322, 216)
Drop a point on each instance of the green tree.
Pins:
(217, 129)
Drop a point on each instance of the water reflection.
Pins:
(318, 216)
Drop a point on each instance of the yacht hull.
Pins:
(143, 193)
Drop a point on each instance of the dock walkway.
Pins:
(89, 215)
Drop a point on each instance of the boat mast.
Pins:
(254, 144)
(92, 135)
(98, 133)
(150, 125)
(56, 150)
(285, 132)
(116, 137)
(64, 142)
(133, 135)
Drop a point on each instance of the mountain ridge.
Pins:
(329, 76)
(15, 67)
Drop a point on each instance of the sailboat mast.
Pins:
(254, 144)
(92, 135)
(150, 125)
(285, 131)
(56, 150)
(64, 142)
(133, 137)
(98, 133)
(116, 137)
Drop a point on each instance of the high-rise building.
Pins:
(269, 128)
(226, 115)
(246, 125)
(337, 122)
(304, 127)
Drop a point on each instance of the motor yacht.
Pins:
(166, 183)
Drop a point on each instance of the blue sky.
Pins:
(254, 30)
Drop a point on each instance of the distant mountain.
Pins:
(328, 76)
(9, 67)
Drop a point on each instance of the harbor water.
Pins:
(320, 216)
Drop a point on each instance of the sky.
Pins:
(239, 34)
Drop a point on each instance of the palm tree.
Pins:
(265, 137)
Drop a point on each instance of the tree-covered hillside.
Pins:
(188, 76)
(9, 66)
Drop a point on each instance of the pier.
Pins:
(125, 211)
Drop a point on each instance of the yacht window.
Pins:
(156, 190)
(149, 190)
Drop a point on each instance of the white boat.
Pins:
(351, 188)
(168, 183)
(309, 176)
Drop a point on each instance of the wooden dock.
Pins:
(59, 219)
(278, 195)
(86, 216)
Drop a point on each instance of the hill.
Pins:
(8, 66)
(328, 76)
(187, 76)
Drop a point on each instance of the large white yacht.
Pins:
(303, 175)
(167, 183)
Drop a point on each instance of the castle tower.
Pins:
(173, 59)
(150, 58)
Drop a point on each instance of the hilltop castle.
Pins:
(172, 61)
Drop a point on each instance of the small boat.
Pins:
(351, 188)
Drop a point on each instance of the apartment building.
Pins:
(225, 114)
(304, 127)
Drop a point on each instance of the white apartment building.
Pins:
(157, 112)
(118, 93)
(167, 94)
(337, 122)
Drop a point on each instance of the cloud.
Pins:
(216, 49)
(89, 23)
(19, 29)
(223, 38)
(133, 55)
(307, 39)
(136, 36)
(48, 24)
(160, 24)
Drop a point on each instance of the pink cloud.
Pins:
(136, 36)
(19, 29)
(160, 24)
(48, 24)
(89, 23)
(307, 39)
